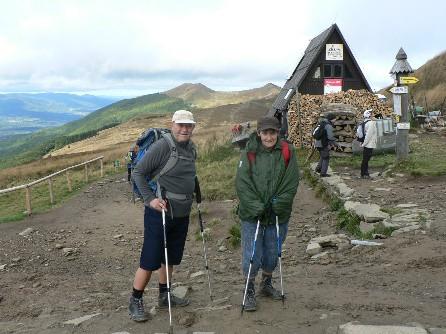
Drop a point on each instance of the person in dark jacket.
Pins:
(130, 158)
(325, 144)
(178, 185)
(266, 188)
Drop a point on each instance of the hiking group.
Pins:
(164, 173)
(324, 141)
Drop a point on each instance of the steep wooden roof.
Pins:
(316, 46)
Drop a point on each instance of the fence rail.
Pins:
(50, 177)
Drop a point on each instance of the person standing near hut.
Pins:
(325, 144)
(367, 135)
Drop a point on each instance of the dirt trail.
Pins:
(41, 288)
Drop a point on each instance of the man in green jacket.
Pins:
(266, 183)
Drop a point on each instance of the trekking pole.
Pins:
(250, 265)
(279, 252)
(167, 271)
(200, 220)
(204, 251)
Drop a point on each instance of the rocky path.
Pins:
(72, 273)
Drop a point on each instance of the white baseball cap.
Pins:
(183, 116)
(368, 113)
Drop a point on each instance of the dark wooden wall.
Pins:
(316, 86)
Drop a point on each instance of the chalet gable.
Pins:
(327, 63)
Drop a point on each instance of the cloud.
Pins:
(99, 45)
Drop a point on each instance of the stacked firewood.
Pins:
(347, 106)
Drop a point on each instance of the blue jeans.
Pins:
(266, 252)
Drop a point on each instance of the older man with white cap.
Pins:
(177, 186)
(367, 136)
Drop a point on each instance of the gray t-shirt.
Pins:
(179, 180)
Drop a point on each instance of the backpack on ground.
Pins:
(144, 142)
(319, 131)
(362, 125)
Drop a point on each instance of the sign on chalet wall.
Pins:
(334, 52)
(332, 86)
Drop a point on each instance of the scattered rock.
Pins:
(197, 274)
(2, 267)
(78, 321)
(180, 291)
(16, 259)
(406, 229)
(382, 189)
(117, 236)
(354, 328)
(187, 320)
(58, 246)
(222, 248)
(407, 205)
(366, 227)
(67, 251)
(369, 212)
(437, 330)
(26, 232)
(313, 248)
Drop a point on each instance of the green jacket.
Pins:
(266, 188)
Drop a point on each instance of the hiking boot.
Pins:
(267, 289)
(325, 175)
(136, 310)
(163, 301)
(365, 176)
(250, 300)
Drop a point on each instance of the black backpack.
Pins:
(362, 125)
(319, 131)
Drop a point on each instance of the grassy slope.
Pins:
(35, 145)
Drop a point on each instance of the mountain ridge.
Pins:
(202, 96)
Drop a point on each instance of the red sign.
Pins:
(332, 85)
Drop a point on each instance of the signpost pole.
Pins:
(402, 133)
(399, 69)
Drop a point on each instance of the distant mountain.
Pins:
(22, 112)
(23, 148)
(246, 104)
(203, 97)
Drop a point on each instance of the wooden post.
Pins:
(28, 200)
(86, 172)
(102, 167)
(50, 187)
(299, 115)
(402, 135)
(70, 189)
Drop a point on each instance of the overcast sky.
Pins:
(132, 47)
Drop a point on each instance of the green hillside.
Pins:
(21, 149)
(430, 91)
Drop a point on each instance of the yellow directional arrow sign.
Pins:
(408, 80)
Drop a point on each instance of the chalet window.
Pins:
(317, 73)
(337, 73)
(327, 70)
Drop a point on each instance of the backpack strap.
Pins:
(285, 152)
(251, 157)
(173, 158)
(363, 127)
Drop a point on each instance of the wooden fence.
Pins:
(49, 178)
